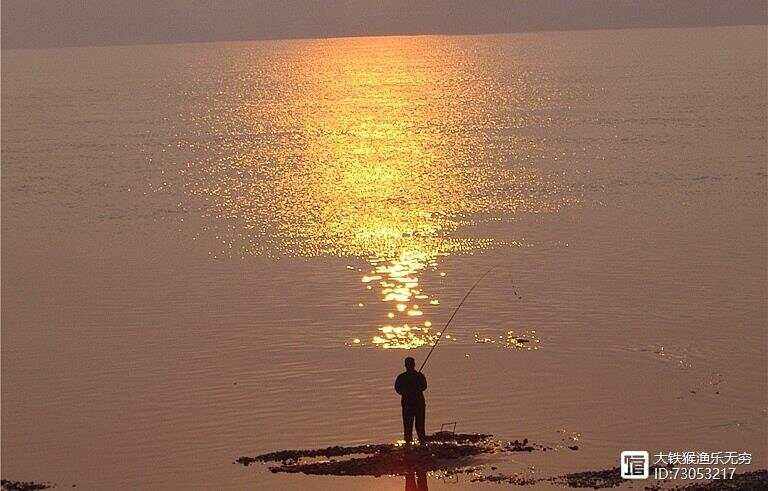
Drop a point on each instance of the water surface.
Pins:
(215, 250)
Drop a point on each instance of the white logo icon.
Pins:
(634, 464)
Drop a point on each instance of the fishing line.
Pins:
(477, 282)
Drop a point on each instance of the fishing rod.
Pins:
(477, 282)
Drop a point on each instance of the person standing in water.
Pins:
(411, 386)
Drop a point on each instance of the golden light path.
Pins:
(369, 151)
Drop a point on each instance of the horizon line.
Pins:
(763, 23)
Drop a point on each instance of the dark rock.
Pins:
(22, 485)
(400, 461)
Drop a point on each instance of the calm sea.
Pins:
(215, 250)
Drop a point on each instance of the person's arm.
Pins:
(399, 385)
(422, 382)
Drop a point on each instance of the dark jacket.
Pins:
(411, 386)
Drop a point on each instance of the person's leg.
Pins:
(407, 425)
(420, 415)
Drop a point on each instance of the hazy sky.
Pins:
(43, 23)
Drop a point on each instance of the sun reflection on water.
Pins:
(399, 282)
(373, 152)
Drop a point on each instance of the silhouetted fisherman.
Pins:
(411, 386)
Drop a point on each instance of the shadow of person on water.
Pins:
(416, 481)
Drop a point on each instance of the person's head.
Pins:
(410, 363)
